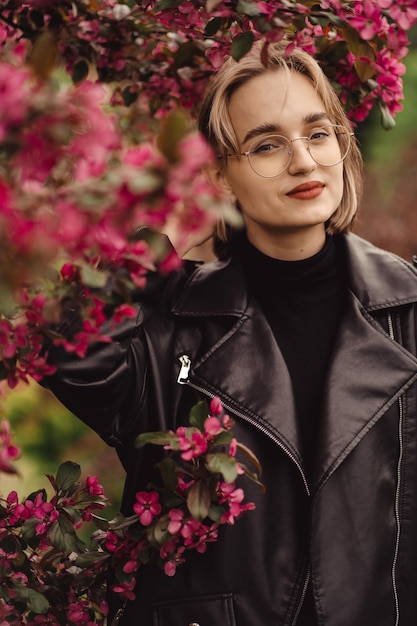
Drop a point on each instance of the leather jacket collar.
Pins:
(375, 280)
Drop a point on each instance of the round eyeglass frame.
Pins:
(247, 153)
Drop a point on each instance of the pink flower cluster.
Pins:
(185, 41)
(205, 450)
(71, 196)
(47, 573)
(330, 30)
(38, 549)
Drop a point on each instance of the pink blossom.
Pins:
(14, 96)
(216, 407)
(69, 272)
(147, 505)
(93, 487)
(124, 311)
(176, 517)
(404, 13)
(367, 19)
(170, 568)
(227, 422)
(192, 446)
(212, 426)
(130, 566)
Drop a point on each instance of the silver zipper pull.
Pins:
(119, 615)
(185, 369)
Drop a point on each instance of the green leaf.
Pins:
(223, 438)
(72, 513)
(32, 496)
(168, 4)
(44, 54)
(213, 26)
(29, 528)
(173, 130)
(250, 455)
(199, 414)
(242, 45)
(387, 120)
(168, 470)
(247, 8)
(336, 20)
(171, 500)
(144, 181)
(364, 70)
(63, 536)
(87, 559)
(254, 478)
(215, 512)
(221, 463)
(158, 534)
(158, 438)
(92, 277)
(34, 600)
(198, 500)
(101, 522)
(68, 474)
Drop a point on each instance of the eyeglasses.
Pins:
(270, 156)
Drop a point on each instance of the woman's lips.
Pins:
(306, 191)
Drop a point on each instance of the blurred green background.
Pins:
(48, 434)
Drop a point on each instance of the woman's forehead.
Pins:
(275, 100)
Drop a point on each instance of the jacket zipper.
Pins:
(119, 614)
(302, 597)
(183, 379)
(397, 492)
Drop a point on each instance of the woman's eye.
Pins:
(268, 146)
(320, 134)
(265, 147)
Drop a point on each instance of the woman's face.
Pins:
(284, 216)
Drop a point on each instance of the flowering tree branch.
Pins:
(80, 168)
(160, 53)
(49, 575)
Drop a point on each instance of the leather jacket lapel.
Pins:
(258, 386)
(368, 373)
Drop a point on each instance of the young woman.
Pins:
(308, 336)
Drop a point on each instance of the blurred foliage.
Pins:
(379, 146)
(48, 435)
(388, 216)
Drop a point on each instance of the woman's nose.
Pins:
(301, 161)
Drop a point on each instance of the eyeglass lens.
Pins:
(327, 145)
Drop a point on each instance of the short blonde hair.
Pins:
(216, 126)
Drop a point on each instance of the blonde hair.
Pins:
(216, 126)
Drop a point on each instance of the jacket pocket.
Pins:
(196, 611)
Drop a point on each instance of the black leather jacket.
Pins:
(352, 530)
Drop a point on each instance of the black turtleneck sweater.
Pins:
(303, 302)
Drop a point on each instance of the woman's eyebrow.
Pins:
(262, 129)
(272, 128)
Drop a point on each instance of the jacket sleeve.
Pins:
(106, 388)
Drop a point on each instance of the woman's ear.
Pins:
(217, 176)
